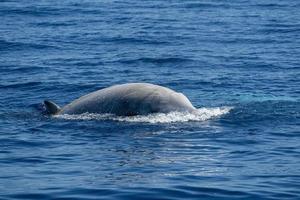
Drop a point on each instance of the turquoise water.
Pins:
(237, 61)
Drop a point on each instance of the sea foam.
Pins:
(201, 114)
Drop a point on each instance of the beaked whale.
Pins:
(126, 100)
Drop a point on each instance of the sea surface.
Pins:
(237, 61)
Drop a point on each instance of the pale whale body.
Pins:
(126, 100)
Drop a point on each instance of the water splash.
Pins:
(201, 114)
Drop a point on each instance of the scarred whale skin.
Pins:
(126, 100)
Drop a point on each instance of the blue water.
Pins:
(237, 61)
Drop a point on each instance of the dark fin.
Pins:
(51, 107)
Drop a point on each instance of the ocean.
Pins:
(237, 61)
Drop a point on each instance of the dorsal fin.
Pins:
(51, 107)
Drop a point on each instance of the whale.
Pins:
(126, 100)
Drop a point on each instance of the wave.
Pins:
(202, 114)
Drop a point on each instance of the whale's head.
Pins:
(51, 107)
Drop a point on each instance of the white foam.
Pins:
(201, 114)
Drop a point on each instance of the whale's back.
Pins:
(130, 99)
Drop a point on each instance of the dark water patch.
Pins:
(161, 60)
(204, 5)
(31, 11)
(278, 30)
(86, 193)
(251, 41)
(273, 5)
(24, 160)
(87, 64)
(84, 63)
(7, 46)
(27, 85)
(63, 157)
(20, 69)
(134, 40)
(283, 133)
(280, 24)
(291, 150)
(55, 24)
(30, 196)
(21, 143)
(215, 192)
